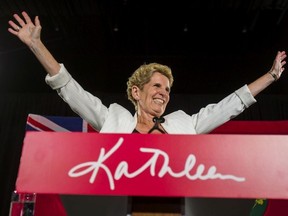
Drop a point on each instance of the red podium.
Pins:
(227, 166)
(234, 166)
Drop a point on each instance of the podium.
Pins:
(231, 166)
(135, 165)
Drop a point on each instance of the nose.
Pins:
(163, 92)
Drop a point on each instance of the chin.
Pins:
(158, 114)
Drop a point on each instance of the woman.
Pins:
(148, 89)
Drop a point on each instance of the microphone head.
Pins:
(158, 120)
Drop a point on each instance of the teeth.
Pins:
(159, 101)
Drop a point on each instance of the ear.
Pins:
(135, 92)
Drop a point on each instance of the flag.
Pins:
(259, 207)
(56, 123)
(51, 204)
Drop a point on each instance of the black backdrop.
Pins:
(217, 54)
(15, 107)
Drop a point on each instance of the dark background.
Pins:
(213, 48)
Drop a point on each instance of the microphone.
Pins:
(158, 120)
(156, 125)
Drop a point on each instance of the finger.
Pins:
(280, 56)
(19, 20)
(26, 17)
(283, 54)
(37, 21)
(13, 25)
(12, 31)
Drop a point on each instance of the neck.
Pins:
(147, 123)
(145, 118)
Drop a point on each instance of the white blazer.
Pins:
(117, 119)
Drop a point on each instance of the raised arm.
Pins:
(30, 34)
(271, 76)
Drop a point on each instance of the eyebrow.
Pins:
(159, 84)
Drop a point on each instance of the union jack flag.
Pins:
(51, 204)
(56, 123)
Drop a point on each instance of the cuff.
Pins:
(59, 80)
(245, 96)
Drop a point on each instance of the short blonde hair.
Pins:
(143, 75)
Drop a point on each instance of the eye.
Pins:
(168, 90)
(157, 85)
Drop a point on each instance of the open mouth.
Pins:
(159, 101)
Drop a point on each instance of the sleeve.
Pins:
(214, 115)
(86, 105)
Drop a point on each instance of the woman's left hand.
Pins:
(278, 65)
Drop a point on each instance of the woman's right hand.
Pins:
(25, 29)
(29, 33)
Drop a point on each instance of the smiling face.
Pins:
(154, 97)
